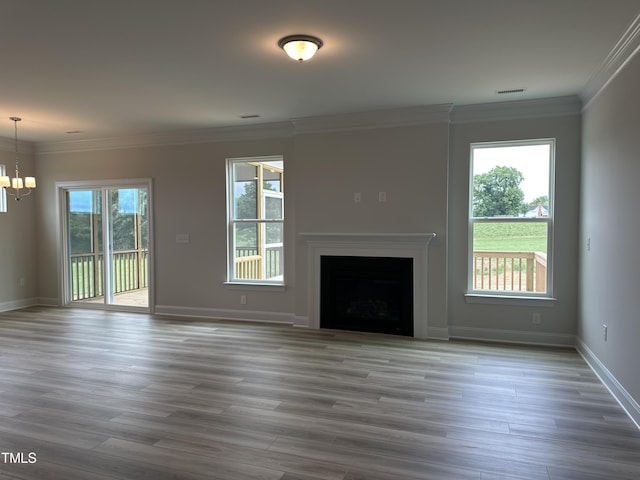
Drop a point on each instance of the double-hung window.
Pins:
(255, 211)
(511, 218)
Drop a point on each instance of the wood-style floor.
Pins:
(91, 395)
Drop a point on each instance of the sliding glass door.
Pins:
(107, 245)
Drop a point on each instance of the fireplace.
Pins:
(367, 294)
(410, 246)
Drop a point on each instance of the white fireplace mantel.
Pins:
(405, 245)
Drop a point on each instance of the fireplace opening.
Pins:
(367, 294)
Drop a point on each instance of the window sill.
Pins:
(515, 300)
(256, 286)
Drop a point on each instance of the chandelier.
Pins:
(17, 186)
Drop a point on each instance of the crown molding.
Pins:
(398, 117)
(205, 135)
(350, 121)
(519, 109)
(625, 48)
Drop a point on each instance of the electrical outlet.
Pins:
(382, 196)
(22, 282)
(357, 197)
(243, 299)
(536, 318)
(604, 332)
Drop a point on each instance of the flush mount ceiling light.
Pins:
(17, 186)
(300, 47)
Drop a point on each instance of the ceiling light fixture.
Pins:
(17, 184)
(300, 47)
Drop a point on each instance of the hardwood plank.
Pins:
(182, 461)
(292, 464)
(191, 429)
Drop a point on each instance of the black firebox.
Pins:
(367, 294)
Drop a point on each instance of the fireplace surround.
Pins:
(413, 246)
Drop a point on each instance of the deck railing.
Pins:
(129, 272)
(515, 271)
(510, 271)
(250, 265)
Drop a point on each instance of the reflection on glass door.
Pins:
(108, 246)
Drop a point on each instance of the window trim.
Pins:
(515, 297)
(231, 222)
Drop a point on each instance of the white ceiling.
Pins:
(115, 68)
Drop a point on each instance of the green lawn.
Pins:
(510, 237)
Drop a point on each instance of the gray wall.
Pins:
(322, 172)
(427, 191)
(188, 183)
(512, 321)
(18, 237)
(610, 270)
(408, 163)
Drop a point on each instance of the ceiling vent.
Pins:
(510, 91)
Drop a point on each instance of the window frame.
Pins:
(260, 222)
(499, 296)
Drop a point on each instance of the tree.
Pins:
(247, 203)
(80, 230)
(126, 205)
(247, 208)
(498, 193)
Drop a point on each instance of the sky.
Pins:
(81, 201)
(531, 160)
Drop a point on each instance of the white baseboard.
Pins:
(18, 304)
(438, 333)
(303, 322)
(512, 336)
(226, 314)
(435, 333)
(48, 302)
(626, 401)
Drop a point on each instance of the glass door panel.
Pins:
(129, 250)
(85, 246)
(118, 219)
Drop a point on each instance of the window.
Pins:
(511, 218)
(255, 204)
(3, 192)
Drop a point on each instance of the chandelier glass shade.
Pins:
(17, 186)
